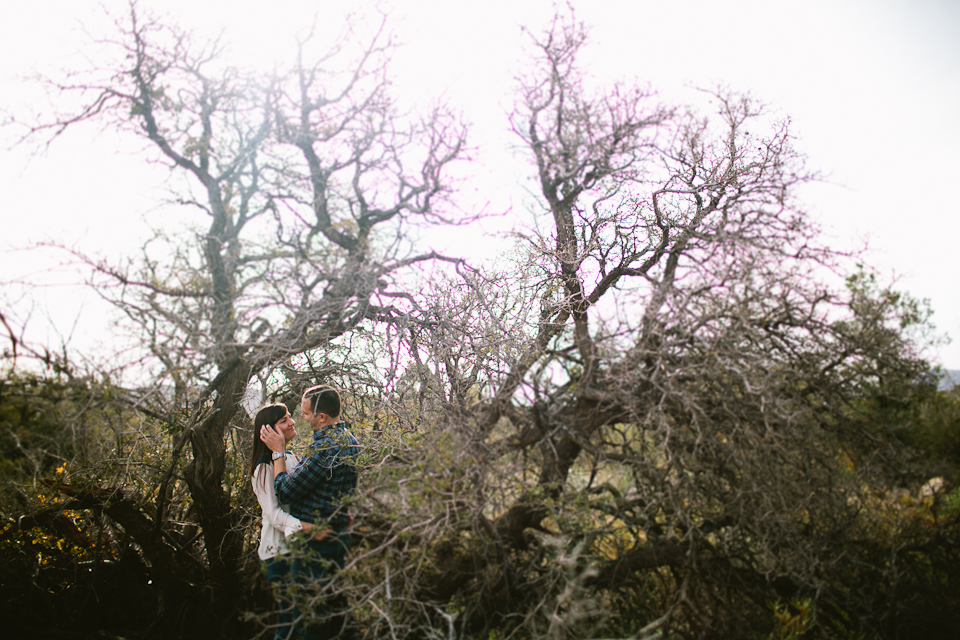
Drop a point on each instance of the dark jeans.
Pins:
(278, 572)
(303, 582)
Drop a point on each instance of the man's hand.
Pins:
(317, 532)
(273, 439)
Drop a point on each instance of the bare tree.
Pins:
(657, 411)
(304, 182)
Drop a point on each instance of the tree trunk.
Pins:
(204, 475)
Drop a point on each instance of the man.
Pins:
(315, 491)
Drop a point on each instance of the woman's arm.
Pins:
(272, 513)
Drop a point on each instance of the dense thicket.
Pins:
(654, 417)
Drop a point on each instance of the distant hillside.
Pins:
(950, 379)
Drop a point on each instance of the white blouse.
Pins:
(277, 523)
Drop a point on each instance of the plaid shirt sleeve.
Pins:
(314, 489)
(305, 481)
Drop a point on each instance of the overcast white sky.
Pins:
(872, 87)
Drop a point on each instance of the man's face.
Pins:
(286, 426)
(312, 419)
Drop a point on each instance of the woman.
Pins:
(278, 525)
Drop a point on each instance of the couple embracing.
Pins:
(312, 492)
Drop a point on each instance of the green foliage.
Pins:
(793, 619)
(51, 424)
(934, 430)
(32, 436)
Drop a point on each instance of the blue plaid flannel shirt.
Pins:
(321, 480)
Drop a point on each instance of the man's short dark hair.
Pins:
(323, 399)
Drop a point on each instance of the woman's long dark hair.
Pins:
(268, 415)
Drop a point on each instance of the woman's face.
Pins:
(286, 426)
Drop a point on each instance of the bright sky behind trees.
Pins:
(872, 87)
